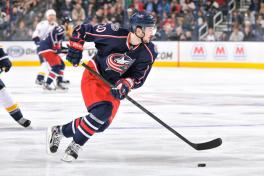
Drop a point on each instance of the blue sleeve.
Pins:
(2, 53)
(53, 37)
(57, 35)
(141, 69)
(80, 32)
(91, 33)
(141, 76)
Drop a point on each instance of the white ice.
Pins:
(201, 104)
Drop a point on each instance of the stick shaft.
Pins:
(200, 146)
(140, 106)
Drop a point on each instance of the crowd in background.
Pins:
(176, 19)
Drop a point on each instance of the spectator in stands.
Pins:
(223, 37)
(254, 6)
(100, 16)
(188, 20)
(261, 11)
(211, 9)
(187, 5)
(175, 7)
(237, 18)
(21, 33)
(120, 14)
(211, 35)
(249, 18)
(248, 34)
(236, 34)
(137, 4)
(150, 6)
(184, 16)
(78, 14)
(91, 9)
(188, 35)
(259, 29)
(167, 33)
(166, 8)
(66, 8)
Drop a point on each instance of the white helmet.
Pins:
(50, 12)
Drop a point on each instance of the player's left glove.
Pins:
(122, 88)
(64, 50)
(36, 40)
(75, 50)
(5, 64)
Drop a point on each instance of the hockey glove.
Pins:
(74, 55)
(5, 64)
(36, 40)
(122, 88)
(64, 50)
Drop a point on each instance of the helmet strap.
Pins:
(141, 38)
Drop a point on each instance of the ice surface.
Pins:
(201, 104)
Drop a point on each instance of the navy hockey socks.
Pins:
(69, 129)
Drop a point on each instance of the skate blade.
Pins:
(38, 85)
(49, 91)
(67, 158)
(29, 127)
(62, 90)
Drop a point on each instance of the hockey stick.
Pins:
(197, 146)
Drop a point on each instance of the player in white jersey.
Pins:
(41, 31)
(5, 99)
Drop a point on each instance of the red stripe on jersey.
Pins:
(107, 36)
(86, 128)
(46, 51)
(77, 122)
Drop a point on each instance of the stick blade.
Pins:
(208, 145)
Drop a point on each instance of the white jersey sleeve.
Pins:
(43, 28)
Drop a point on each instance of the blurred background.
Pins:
(177, 20)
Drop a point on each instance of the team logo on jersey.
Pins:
(115, 27)
(119, 62)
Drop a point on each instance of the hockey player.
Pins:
(49, 49)
(124, 58)
(5, 98)
(41, 31)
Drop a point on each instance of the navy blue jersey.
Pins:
(116, 58)
(2, 53)
(53, 40)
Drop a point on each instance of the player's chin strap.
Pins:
(141, 38)
(197, 146)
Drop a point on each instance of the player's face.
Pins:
(51, 18)
(149, 33)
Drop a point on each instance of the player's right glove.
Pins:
(5, 64)
(36, 40)
(122, 88)
(75, 50)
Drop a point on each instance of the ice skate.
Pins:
(53, 139)
(62, 86)
(39, 82)
(24, 122)
(48, 87)
(71, 153)
(65, 81)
